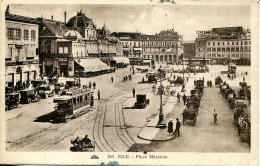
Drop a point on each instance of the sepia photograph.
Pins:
(140, 78)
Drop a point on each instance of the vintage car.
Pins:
(45, 91)
(53, 80)
(141, 101)
(11, 101)
(58, 87)
(28, 96)
(9, 90)
(70, 84)
(78, 145)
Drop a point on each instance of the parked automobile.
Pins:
(53, 80)
(45, 91)
(58, 87)
(28, 96)
(141, 101)
(11, 101)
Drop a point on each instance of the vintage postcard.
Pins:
(148, 82)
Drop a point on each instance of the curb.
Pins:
(157, 140)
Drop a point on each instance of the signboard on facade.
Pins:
(227, 30)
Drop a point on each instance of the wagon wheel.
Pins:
(195, 121)
(29, 101)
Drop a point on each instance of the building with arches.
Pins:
(165, 47)
(22, 53)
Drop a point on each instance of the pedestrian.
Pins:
(228, 76)
(215, 115)
(178, 126)
(194, 82)
(91, 100)
(126, 77)
(112, 79)
(246, 73)
(178, 97)
(94, 85)
(89, 84)
(239, 129)
(170, 127)
(130, 69)
(187, 79)
(183, 115)
(184, 99)
(174, 76)
(143, 80)
(243, 78)
(98, 94)
(210, 83)
(133, 92)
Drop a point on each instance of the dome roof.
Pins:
(81, 20)
(72, 34)
(113, 39)
(105, 27)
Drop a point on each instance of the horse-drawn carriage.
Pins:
(177, 82)
(190, 115)
(240, 109)
(218, 80)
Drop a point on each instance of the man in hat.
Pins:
(178, 126)
(178, 97)
(170, 127)
(86, 141)
(98, 94)
(184, 99)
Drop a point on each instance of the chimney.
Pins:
(52, 17)
(65, 14)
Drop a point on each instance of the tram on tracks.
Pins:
(71, 103)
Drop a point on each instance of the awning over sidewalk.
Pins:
(91, 65)
(121, 60)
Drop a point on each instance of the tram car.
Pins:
(232, 68)
(70, 104)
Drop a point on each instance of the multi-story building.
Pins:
(164, 47)
(63, 43)
(189, 49)
(21, 59)
(224, 45)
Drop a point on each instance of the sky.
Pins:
(147, 19)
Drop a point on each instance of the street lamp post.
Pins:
(79, 71)
(161, 122)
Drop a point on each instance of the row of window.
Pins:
(228, 55)
(25, 50)
(229, 49)
(139, 44)
(16, 34)
(229, 43)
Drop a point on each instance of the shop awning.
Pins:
(91, 65)
(121, 60)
